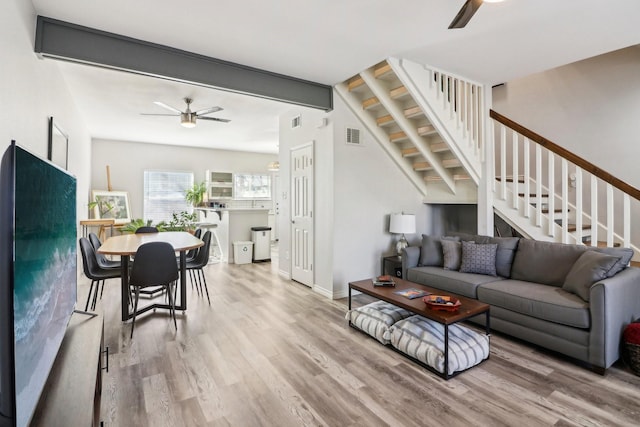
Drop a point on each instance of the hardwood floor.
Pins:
(271, 352)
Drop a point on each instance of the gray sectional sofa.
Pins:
(572, 299)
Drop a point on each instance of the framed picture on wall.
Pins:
(58, 150)
(111, 205)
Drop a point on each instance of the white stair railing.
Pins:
(563, 180)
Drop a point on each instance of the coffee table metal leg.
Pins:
(349, 304)
(446, 352)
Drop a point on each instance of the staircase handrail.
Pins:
(566, 154)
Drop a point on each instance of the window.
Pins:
(251, 186)
(164, 193)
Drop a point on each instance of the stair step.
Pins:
(370, 103)
(410, 152)
(520, 180)
(382, 69)
(635, 263)
(533, 195)
(413, 112)
(422, 166)
(572, 227)
(398, 92)
(401, 136)
(398, 136)
(546, 211)
(388, 119)
(604, 244)
(385, 120)
(426, 130)
(439, 147)
(437, 178)
(355, 82)
(451, 163)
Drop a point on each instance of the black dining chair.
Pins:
(154, 265)
(94, 272)
(190, 255)
(195, 266)
(146, 229)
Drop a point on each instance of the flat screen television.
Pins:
(38, 257)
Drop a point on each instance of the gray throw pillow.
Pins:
(591, 267)
(431, 251)
(625, 255)
(452, 253)
(477, 258)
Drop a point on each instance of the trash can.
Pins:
(242, 252)
(261, 238)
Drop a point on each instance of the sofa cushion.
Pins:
(376, 318)
(452, 281)
(591, 267)
(478, 258)
(537, 300)
(431, 252)
(452, 254)
(507, 247)
(625, 255)
(547, 263)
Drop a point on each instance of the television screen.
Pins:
(43, 273)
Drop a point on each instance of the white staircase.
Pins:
(436, 127)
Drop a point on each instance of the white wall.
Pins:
(368, 186)
(127, 162)
(590, 107)
(356, 190)
(31, 90)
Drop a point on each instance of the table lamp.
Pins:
(400, 223)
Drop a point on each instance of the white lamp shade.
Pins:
(402, 223)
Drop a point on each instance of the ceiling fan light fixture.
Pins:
(188, 120)
(273, 166)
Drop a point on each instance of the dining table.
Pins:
(126, 246)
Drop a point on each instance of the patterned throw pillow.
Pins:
(477, 258)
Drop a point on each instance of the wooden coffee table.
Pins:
(469, 308)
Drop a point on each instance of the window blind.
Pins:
(164, 194)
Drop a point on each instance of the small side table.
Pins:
(392, 265)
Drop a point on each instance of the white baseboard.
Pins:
(322, 291)
(344, 293)
(284, 274)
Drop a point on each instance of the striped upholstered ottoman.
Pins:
(376, 318)
(423, 340)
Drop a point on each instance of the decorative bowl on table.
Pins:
(442, 302)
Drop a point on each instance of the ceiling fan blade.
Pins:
(207, 111)
(168, 107)
(156, 114)
(215, 119)
(465, 14)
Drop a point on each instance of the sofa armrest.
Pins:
(410, 258)
(614, 303)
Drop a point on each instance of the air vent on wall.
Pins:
(295, 122)
(353, 136)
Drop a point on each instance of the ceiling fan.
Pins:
(188, 117)
(467, 11)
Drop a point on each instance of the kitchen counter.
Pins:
(233, 225)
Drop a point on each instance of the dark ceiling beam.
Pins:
(75, 43)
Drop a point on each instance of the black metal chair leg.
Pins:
(206, 288)
(135, 309)
(86, 306)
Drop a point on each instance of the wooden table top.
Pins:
(469, 307)
(128, 244)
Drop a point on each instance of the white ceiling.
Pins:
(326, 41)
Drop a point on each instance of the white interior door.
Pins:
(302, 230)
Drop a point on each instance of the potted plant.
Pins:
(183, 221)
(139, 222)
(195, 195)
